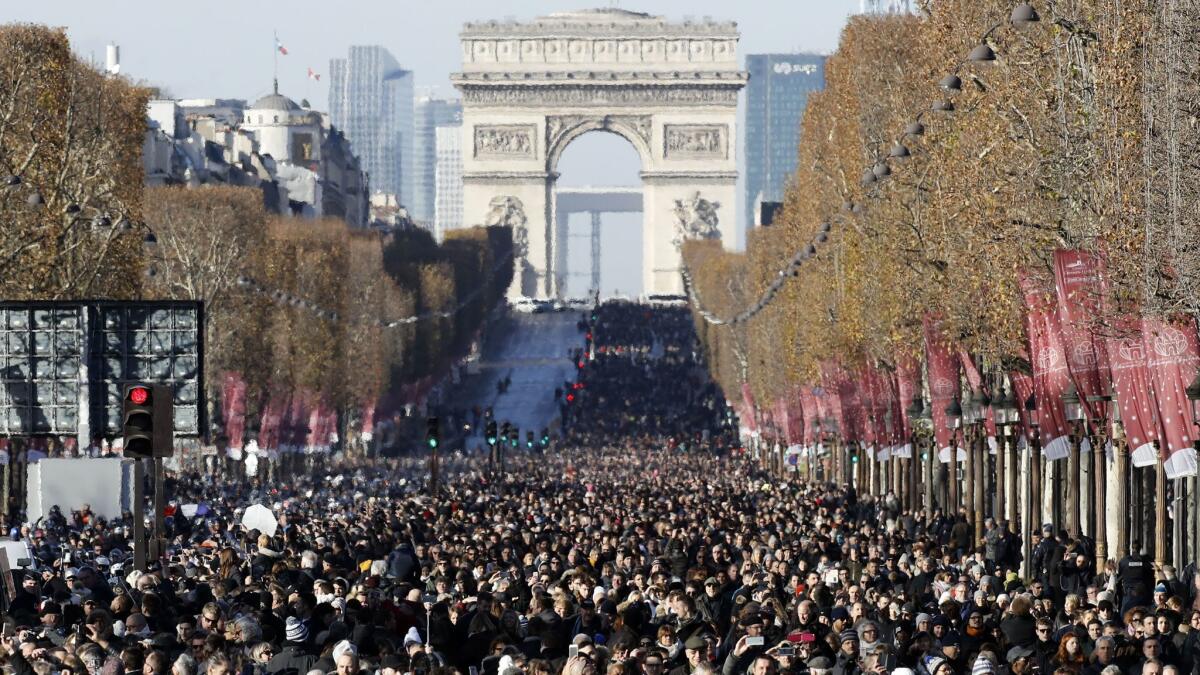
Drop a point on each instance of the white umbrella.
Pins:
(259, 517)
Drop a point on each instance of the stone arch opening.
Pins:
(562, 133)
(599, 212)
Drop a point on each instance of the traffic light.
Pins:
(490, 433)
(545, 438)
(432, 432)
(529, 439)
(147, 420)
(514, 436)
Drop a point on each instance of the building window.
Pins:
(302, 147)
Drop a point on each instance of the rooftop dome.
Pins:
(275, 101)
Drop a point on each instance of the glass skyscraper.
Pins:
(776, 97)
(371, 101)
(448, 180)
(431, 113)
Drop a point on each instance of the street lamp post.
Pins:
(1006, 420)
(970, 419)
(981, 404)
(1033, 494)
(954, 413)
(917, 416)
(1099, 480)
(1193, 394)
(921, 420)
(893, 472)
(1073, 410)
(1000, 416)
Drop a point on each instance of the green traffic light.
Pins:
(433, 442)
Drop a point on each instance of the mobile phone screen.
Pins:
(755, 641)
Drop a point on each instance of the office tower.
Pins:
(430, 114)
(371, 102)
(776, 97)
(448, 179)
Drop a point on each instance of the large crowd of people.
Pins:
(617, 552)
(641, 378)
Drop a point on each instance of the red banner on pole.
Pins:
(793, 417)
(908, 387)
(233, 408)
(1080, 293)
(748, 418)
(975, 379)
(272, 421)
(943, 387)
(850, 404)
(1173, 356)
(1135, 394)
(1050, 376)
(808, 404)
(1022, 385)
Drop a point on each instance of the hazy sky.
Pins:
(224, 50)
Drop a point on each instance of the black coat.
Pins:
(293, 659)
(1019, 630)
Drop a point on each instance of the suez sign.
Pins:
(64, 365)
(787, 68)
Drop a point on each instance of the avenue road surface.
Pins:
(532, 350)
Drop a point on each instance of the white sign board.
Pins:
(104, 484)
(16, 552)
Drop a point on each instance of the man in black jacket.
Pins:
(294, 658)
(1135, 575)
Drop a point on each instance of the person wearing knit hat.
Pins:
(983, 666)
(295, 656)
(847, 655)
(344, 647)
(412, 637)
(952, 647)
(936, 665)
(295, 630)
(345, 658)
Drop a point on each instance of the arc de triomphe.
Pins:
(670, 89)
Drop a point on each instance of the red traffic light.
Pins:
(570, 398)
(139, 395)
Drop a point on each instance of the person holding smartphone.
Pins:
(748, 646)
